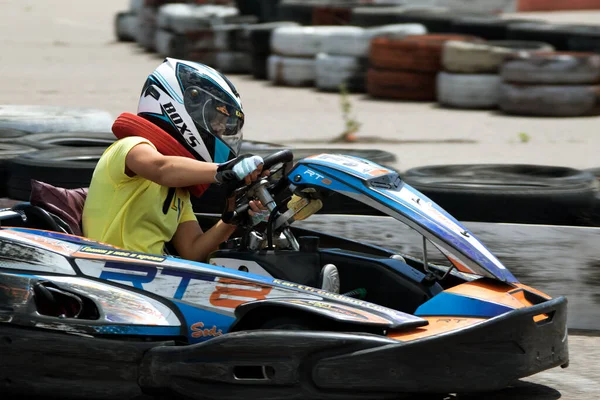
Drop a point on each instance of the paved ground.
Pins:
(64, 53)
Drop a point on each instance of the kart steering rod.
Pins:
(259, 189)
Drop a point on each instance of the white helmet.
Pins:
(197, 105)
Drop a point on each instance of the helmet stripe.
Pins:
(221, 151)
(171, 91)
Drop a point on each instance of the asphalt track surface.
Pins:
(64, 53)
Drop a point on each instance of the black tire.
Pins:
(264, 10)
(68, 139)
(259, 36)
(124, 24)
(259, 66)
(554, 35)
(487, 27)
(66, 167)
(7, 152)
(295, 10)
(374, 16)
(507, 193)
(585, 38)
(11, 135)
(38, 119)
(435, 21)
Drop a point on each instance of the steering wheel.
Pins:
(263, 188)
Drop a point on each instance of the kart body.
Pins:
(81, 318)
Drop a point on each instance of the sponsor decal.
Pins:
(316, 176)
(356, 165)
(198, 331)
(176, 119)
(232, 293)
(121, 253)
(223, 110)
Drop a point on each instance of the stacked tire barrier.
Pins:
(551, 84)
(259, 46)
(211, 34)
(409, 53)
(471, 78)
(406, 69)
(345, 55)
(294, 51)
(511, 193)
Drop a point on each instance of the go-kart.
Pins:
(277, 311)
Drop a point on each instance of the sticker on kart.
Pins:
(364, 168)
(202, 288)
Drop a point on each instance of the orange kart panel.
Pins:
(436, 326)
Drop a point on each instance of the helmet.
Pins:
(197, 105)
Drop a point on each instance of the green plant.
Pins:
(523, 137)
(351, 124)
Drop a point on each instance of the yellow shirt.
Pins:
(133, 213)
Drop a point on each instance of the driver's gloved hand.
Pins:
(237, 169)
(247, 216)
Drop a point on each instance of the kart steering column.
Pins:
(260, 191)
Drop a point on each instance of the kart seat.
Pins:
(39, 218)
(58, 208)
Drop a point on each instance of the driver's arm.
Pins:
(171, 171)
(174, 171)
(193, 244)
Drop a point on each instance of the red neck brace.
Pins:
(128, 124)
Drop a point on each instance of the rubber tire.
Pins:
(584, 38)
(291, 71)
(66, 167)
(259, 35)
(231, 37)
(548, 101)
(554, 68)
(296, 11)
(264, 10)
(68, 139)
(470, 91)
(332, 71)
(233, 62)
(356, 42)
(125, 26)
(38, 119)
(8, 135)
(303, 41)
(183, 18)
(331, 15)
(530, 194)
(488, 57)
(258, 66)
(401, 85)
(419, 53)
(487, 27)
(9, 151)
(552, 34)
(146, 28)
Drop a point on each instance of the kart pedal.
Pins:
(330, 278)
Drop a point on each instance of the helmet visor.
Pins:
(219, 118)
